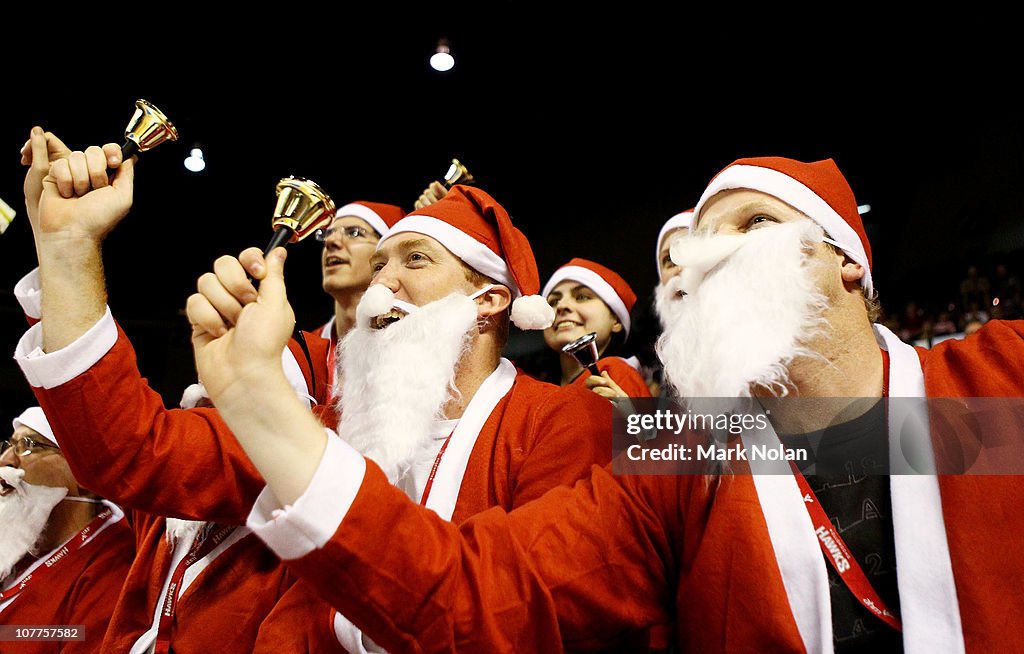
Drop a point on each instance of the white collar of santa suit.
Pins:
(327, 331)
(928, 601)
(448, 478)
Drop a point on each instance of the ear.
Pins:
(617, 327)
(494, 301)
(852, 272)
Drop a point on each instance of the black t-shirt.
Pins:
(847, 469)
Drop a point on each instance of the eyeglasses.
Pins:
(348, 233)
(23, 446)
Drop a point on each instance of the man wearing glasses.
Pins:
(65, 552)
(345, 262)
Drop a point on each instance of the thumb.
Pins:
(124, 180)
(272, 288)
(37, 145)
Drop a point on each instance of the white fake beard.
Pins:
(751, 308)
(397, 380)
(668, 301)
(24, 514)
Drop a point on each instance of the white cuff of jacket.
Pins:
(296, 530)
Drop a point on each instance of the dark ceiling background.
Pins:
(591, 126)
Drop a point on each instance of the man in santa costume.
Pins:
(65, 552)
(197, 567)
(427, 393)
(779, 301)
(349, 241)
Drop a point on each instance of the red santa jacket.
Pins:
(80, 591)
(642, 562)
(538, 436)
(626, 376)
(182, 463)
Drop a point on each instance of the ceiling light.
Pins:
(195, 161)
(442, 60)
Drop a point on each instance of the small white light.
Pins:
(863, 208)
(442, 60)
(195, 161)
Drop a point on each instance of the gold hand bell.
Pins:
(302, 208)
(148, 128)
(457, 174)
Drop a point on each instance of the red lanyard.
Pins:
(331, 354)
(200, 548)
(842, 560)
(433, 470)
(64, 553)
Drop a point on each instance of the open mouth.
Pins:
(334, 261)
(385, 319)
(567, 324)
(5, 488)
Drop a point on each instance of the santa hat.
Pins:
(606, 283)
(681, 220)
(34, 418)
(475, 228)
(816, 189)
(381, 217)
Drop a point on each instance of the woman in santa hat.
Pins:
(590, 298)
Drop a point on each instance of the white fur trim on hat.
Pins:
(798, 196)
(594, 282)
(473, 253)
(532, 312)
(682, 220)
(364, 212)
(34, 418)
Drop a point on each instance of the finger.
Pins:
(96, 164)
(604, 392)
(438, 190)
(60, 174)
(272, 288)
(429, 195)
(233, 278)
(38, 157)
(79, 172)
(419, 203)
(204, 318)
(55, 147)
(595, 381)
(219, 298)
(113, 153)
(253, 261)
(26, 153)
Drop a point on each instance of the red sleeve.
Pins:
(300, 622)
(988, 363)
(590, 567)
(626, 376)
(572, 431)
(122, 443)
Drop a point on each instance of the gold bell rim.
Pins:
(150, 108)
